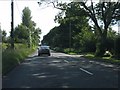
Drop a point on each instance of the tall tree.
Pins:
(21, 34)
(26, 17)
(27, 32)
(107, 13)
(26, 21)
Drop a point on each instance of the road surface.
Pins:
(61, 71)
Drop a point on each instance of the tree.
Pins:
(106, 12)
(36, 36)
(27, 32)
(26, 21)
(26, 17)
(21, 34)
(71, 31)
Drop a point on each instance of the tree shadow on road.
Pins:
(55, 72)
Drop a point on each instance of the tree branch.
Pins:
(92, 16)
(58, 7)
(111, 15)
(103, 15)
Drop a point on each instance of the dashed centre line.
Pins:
(66, 61)
(81, 69)
(86, 71)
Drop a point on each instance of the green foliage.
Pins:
(109, 9)
(21, 34)
(87, 39)
(100, 47)
(4, 38)
(11, 58)
(117, 47)
(110, 42)
(57, 37)
(68, 50)
(107, 13)
(27, 32)
(74, 27)
(70, 33)
(71, 51)
(4, 46)
(108, 59)
(26, 17)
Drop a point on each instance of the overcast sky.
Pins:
(44, 17)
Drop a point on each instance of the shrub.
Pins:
(68, 50)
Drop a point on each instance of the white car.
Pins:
(44, 50)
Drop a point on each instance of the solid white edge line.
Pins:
(86, 71)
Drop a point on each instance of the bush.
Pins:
(68, 50)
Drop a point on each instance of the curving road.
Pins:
(61, 71)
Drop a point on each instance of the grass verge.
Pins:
(12, 58)
(91, 56)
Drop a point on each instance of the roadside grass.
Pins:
(12, 58)
(91, 56)
(4, 46)
(70, 51)
(108, 59)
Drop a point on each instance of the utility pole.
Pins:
(12, 24)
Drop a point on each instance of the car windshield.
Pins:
(44, 47)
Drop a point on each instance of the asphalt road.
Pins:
(61, 71)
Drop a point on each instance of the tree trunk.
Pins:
(100, 46)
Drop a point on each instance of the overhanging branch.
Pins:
(92, 16)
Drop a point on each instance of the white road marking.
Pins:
(86, 71)
(81, 69)
(66, 61)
